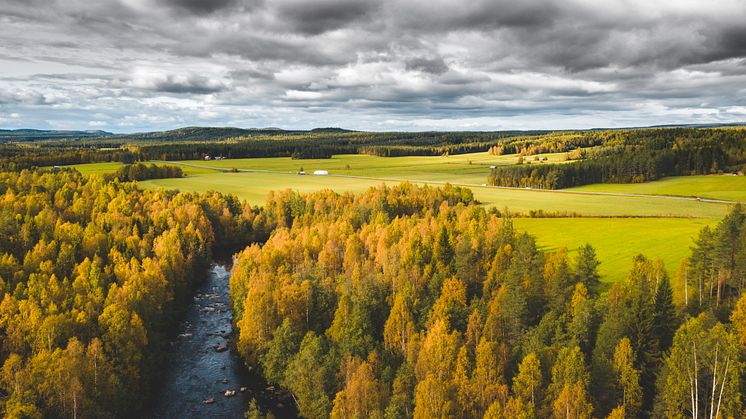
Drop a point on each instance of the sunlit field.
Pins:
(727, 187)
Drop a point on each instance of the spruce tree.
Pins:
(642, 336)
(664, 317)
(586, 269)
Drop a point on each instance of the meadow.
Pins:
(618, 240)
(97, 168)
(619, 227)
(728, 187)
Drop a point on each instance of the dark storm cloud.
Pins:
(196, 86)
(200, 6)
(155, 81)
(143, 64)
(314, 17)
(446, 15)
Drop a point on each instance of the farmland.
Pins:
(471, 168)
(618, 240)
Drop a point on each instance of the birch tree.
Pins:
(703, 371)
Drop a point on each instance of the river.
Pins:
(203, 364)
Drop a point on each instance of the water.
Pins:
(203, 364)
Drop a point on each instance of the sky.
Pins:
(380, 65)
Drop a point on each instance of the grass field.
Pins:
(472, 168)
(97, 168)
(727, 187)
(254, 187)
(618, 240)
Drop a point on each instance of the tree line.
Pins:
(638, 156)
(416, 302)
(141, 171)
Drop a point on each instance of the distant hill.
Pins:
(711, 125)
(194, 134)
(715, 125)
(197, 134)
(39, 135)
(218, 133)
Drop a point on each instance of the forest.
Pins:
(415, 302)
(639, 156)
(93, 274)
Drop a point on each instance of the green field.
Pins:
(97, 168)
(254, 186)
(618, 240)
(472, 168)
(727, 187)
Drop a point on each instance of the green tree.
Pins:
(641, 326)
(586, 268)
(282, 347)
(664, 316)
(702, 374)
(401, 401)
(306, 377)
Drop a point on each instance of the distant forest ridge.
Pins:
(197, 133)
(40, 135)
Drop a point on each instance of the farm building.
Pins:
(320, 172)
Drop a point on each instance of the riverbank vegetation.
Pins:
(93, 274)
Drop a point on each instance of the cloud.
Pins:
(315, 17)
(428, 65)
(147, 64)
(158, 81)
(199, 6)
